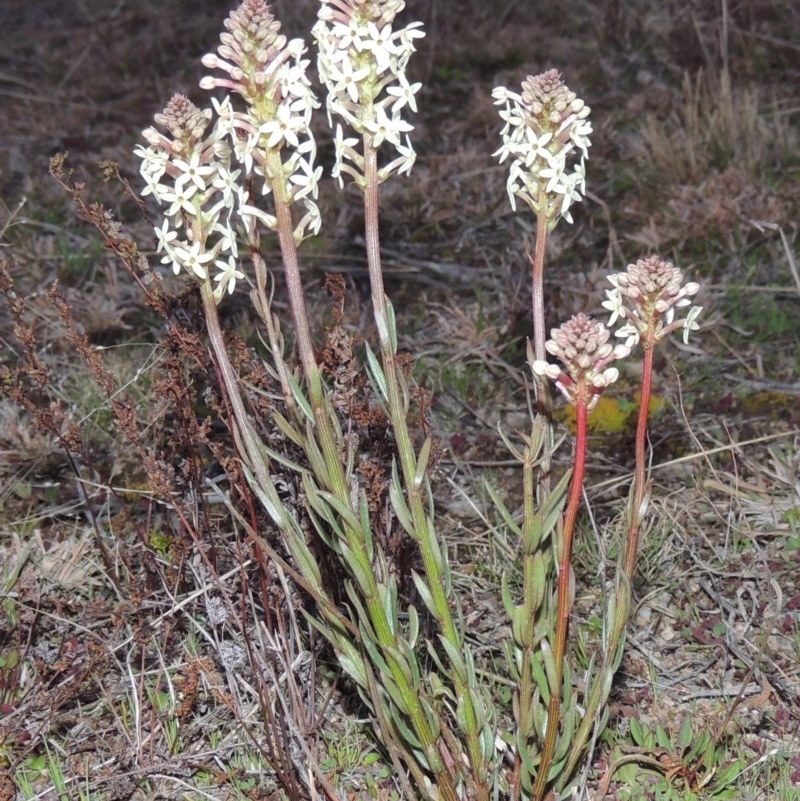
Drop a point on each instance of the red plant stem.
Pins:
(564, 588)
(640, 483)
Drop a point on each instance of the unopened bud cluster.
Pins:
(646, 295)
(582, 346)
(362, 61)
(546, 128)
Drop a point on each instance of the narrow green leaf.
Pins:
(268, 497)
(662, 738)
(710, 753)
(487, 744)
(288, 429)
(522, 626)
(441, 689)
(317, 504)
(462, 719)
(540, 677)
(538, 580)
(413, 664)
(388, 593)
(376, 657)
(305, 561)
(413, 626)
(434, 723)
(513, 657)
(530, 763)
(375, 372)
(700, 745)
(343, 510)
(302, 402)
(393, 691)
(424, 592)
(391, 322)
(409, 738)
(315, 458)
(361, 573)
(422, 462)
(499, 504)
(728, 775)
(685, 734)
(515, 452)
(636, 731)
(399, 507)
(565, 736)
(354, 669)
(454, 655)
(550, 667)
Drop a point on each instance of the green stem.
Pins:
(388, 640)
(640, 482)
(243, 430)
(565, 591)
(433, 558)
(294, 283)
(544, 397)
(531, 592)
(537, 281)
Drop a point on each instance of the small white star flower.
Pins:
(226, 278)
(192, 260)
(614, 304)
(180, 200)
(305, 180)
(226, 182)
(345, 79)
(283, 128)
(383, 127)
(405, 93)
(192, 172)
(166, 235)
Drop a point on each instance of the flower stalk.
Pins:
(546, 141)
(362, 60)
(582, 346)
(646, 294)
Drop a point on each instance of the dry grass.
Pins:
(149, 670)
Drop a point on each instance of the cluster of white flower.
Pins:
(197, 177)
(272, 138)
(190, 174)
(646, 295)
(362, 62)
(544, 125)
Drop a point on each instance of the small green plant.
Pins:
(683, 766)
(350, 762)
